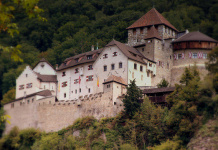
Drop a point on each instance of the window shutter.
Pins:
(190, 54)
(87, 78)
(183, 56)
(92, 77)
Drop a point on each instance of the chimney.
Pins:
(56, 67)
(92, 48)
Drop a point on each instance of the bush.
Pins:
(84, 123)
(128, 147)
(169, 145)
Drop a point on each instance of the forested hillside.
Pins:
(72, 26)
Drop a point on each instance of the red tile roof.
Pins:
(152, 33)
(153, 17)
(195, 36)
(117, 79)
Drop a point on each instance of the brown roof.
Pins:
(158, 90)
(46, 78)
(152, 33)
(117, 79)
(41, 93)
(82, 58)
(43, 60)
(153, 17)
(194, 36)
(130, 52)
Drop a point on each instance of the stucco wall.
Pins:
(44, 68)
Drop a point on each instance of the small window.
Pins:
(115, 103)
(179, 56)
(105, 68)
(134, 31)
(75, 91)
(28, 101)
(76, 70)
(194, 55)
(170, 56)
(150, 64)
(63, 74)
(29, 85)
(143, 49)
(90, 67)
(80, 90)
(89, 78)
(21, 87)
(120, 65)
(26, 75)
(89, 57)
(108, 85)
(148, 74)
(65, 95)
(32, 100)
(204, 55)
(141, 68)
(105, 56)
(77, 60)
(135, 66)
(114, 54)
(64, 84)
(12, 105)
(89, 90)
(76, 81)
(112, 66)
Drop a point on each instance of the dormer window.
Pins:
(76, 70)
(90, 67)
(105, 56)
(114, 54)
(63, 74)
(77, 60)
(89, 57)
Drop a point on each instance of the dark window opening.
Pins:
(76, 70)
(108, 86)
(114, 54)
(120, 65)
(134, 31)
(77, 60)
(75, 91)
(147, 74)
(80, 90)
(90, 67)
(65, 95)
(89, 57)
(63, 74)
(105, 56)
(141, 68)
(143, 49)
(135, 66)
(112, 66)
(105, 68)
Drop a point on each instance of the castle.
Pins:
(94, 82)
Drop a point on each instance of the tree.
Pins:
(163, 83)
(131, 101)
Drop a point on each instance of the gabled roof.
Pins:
(40, 93)
(82, 58)
(129, 52)
(43, 60)
(158, 90)
(152, 33)
(152, 17)
(195, 36)
(116, 79)
(46, 78)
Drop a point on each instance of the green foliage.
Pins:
(9, 96)
(131, 101)
(169, 145)
(128, 147)
(163, 83)
(84, 123)
(212, 65)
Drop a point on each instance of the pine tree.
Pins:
(131, 101)
(163, 83)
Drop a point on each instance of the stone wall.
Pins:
(48, 115)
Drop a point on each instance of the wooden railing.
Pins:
(157, 99)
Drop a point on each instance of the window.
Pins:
(105, 56)
(80, 90)
(28, 85)
(21, 87)
(205, 55)
(120, 65)
(65, 95)
(141, 68)
(75, 91)
(89, 90)
(76, 81)
(108, 85)
(105, 68)
(63, 74)
(170, 56)
(147, 74)
(77, 60)
(89, 78)
(89, 57)
(143, 49)
(42, 65)
(76, 70)
(12, 105)
(194, 55)
(90, 67)
(141, 30)
(179, 56)
(134, 31)
(20, 103)
(112, 66)
(135, 66)
(28, 101)
(64, 84)
(114, 54)
(150, 64)
(32, 100)
(26, 75)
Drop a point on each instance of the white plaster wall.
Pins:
(23, 80)
(140, 81)
(117, 91)
(100, 63)
(46, 70)
(52, 86)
